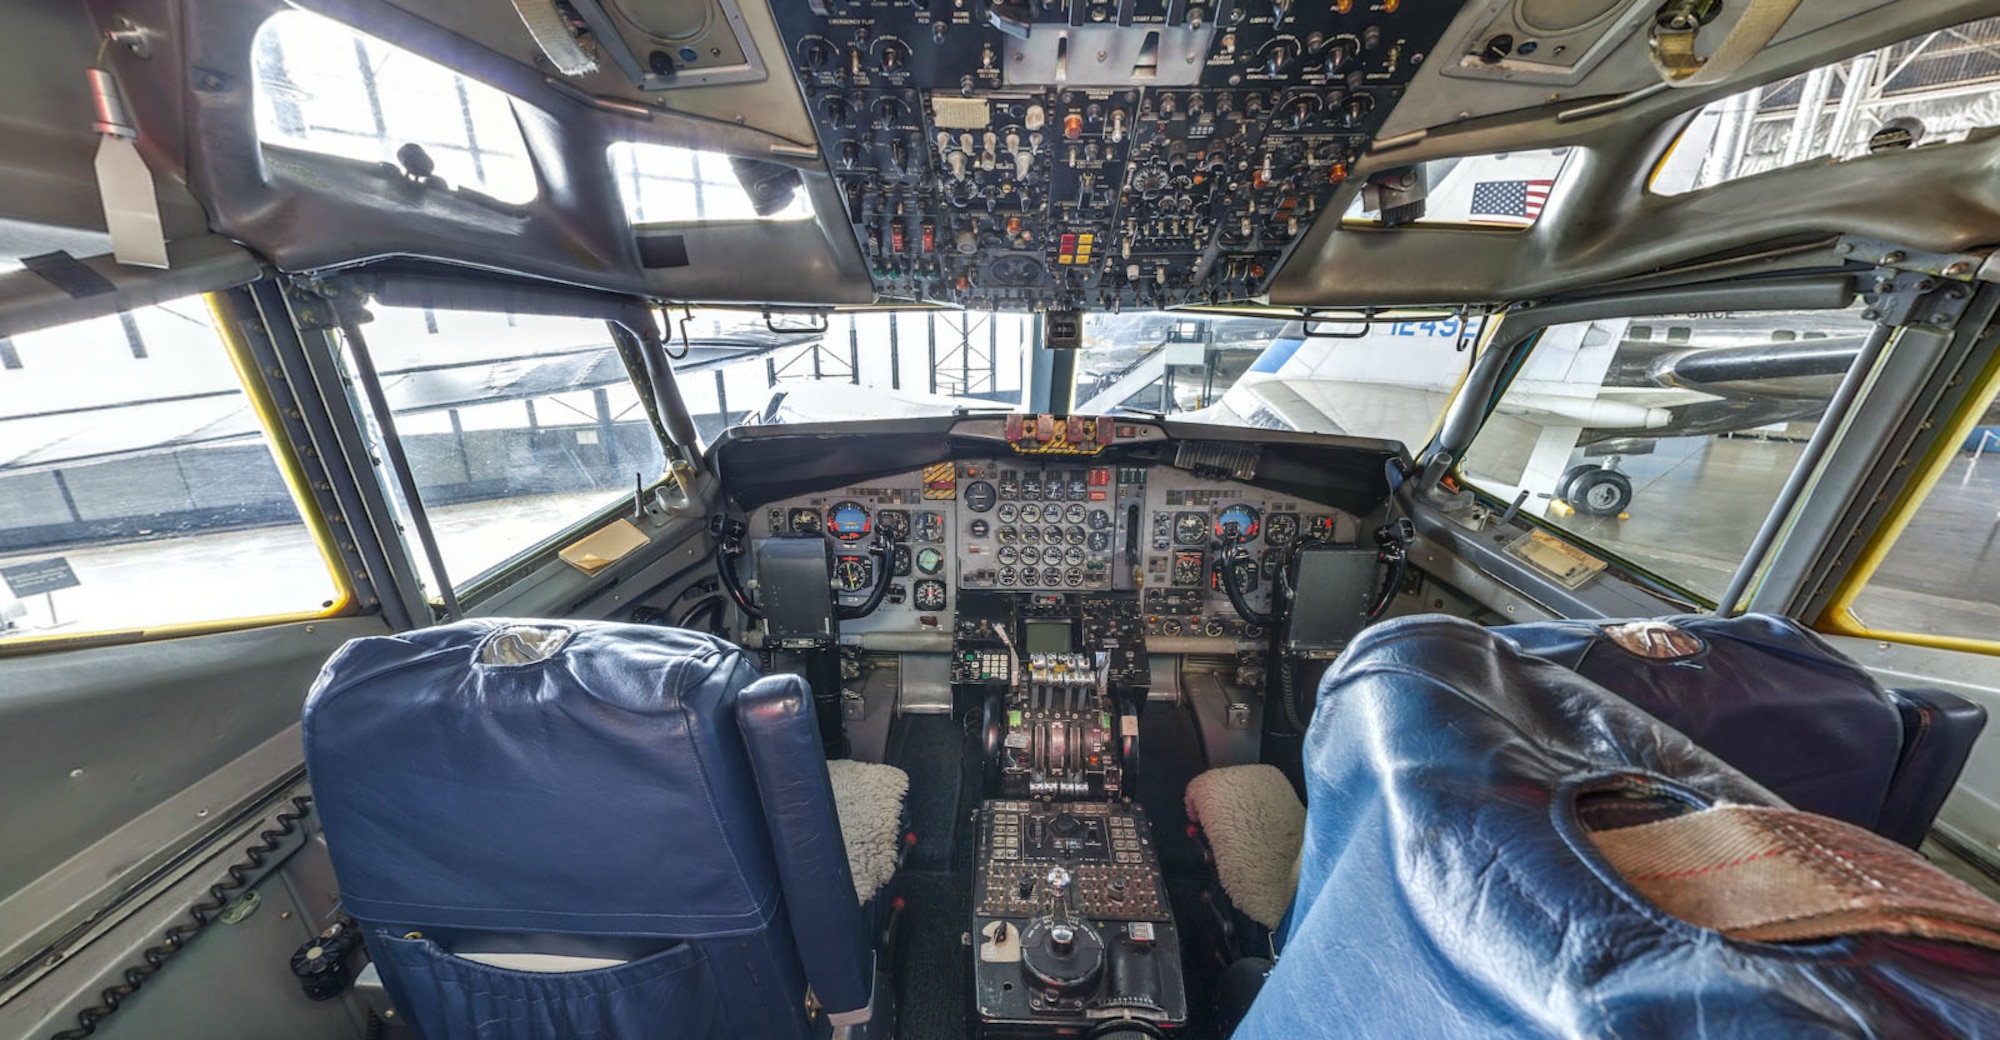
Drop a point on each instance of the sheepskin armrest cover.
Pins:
(869, 800)
(1255, 826)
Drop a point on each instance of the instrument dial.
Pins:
(930, 527)
(895, 523)
(1030, 513)
(979, 496)
(929, 594)
(1100, 520)
(1074, 557)
(1076, 536)
(803, 521)
(1030, 555)
(1190, 529)
(1031, 535)
(1009, 556)
(1243, 518)
(1281, 529)
(1054, 489)
(1008, 513)
(850, 573)
(1008, 535)
(1075, 513)
(901, 566)
(1073, 578)
(1320, 526)
(929, 561)
(979, 529)
(1052, 576)
(1031, 485)
(848, 521)
(1100, 541)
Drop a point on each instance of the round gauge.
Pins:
(1052, 576)
(1009, 556)
(1170, 627)
(850, 573)
(1075, 536)
(1031, 535)
(1006, 575)
(929, 594)
(1190, 529)
(1099, 520)
(1074, 578)
(1243, 518)
(894, 522)
(929, 561)
(1030, 555)
(804, 521)
(1054, 489)
(979, 496)
(1008, 513)
(1075, 513)
(1213, 628)
(930, 527)
(1100, 541)
(1074, 557)
(848, 521)
(979, 529)
(1030, 513)
(1031, 486)
(1008, 535)
(1281, 529)
(901, 566)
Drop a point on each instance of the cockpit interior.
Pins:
(999, 519)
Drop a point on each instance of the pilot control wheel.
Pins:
(1599, 492)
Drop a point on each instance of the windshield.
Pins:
(1386, 379)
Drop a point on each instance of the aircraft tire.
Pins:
(1602, 492)
(1567, 484)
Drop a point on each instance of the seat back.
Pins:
(1450, 883)
(1761, 692)
(1939, 729)
(630, 794)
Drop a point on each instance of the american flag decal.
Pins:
(1512, 203)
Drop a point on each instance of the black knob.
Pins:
(1358, 107)
(1062, 939)
(836, 111)
(850, 152)
(894, 55)
(1277, 59)
(1026, 888)
(1338, 55)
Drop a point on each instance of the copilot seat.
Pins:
(560, 829)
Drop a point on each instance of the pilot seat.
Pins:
(1497, 845)
(560, 829)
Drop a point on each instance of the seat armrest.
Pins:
(1939, 729)
(775, 715)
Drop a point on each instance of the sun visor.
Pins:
(56, 291)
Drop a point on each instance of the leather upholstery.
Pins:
(1774, 700)
(1939, 729)
(639, 794)
(1448, 886)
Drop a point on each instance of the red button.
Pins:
(1099, 496)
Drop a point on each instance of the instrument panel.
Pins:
(1060, 525)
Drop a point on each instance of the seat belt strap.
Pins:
(1780, 875)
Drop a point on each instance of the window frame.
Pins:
(263, 404)
(500, 575)
(1838, 617)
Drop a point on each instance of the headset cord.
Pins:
(200, 915)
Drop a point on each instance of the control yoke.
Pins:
(730, 534)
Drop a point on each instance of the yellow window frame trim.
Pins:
(223, 312)
(1839, 617)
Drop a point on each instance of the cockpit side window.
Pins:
(323, 87)
(1932, 89)
(517, 428)
(139, 490)
(1663, 442)
(1932, 577)
(663, 184)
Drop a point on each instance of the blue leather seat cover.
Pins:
(638, 794)
(1763, 694)
(522, 788)
(1447, 888)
